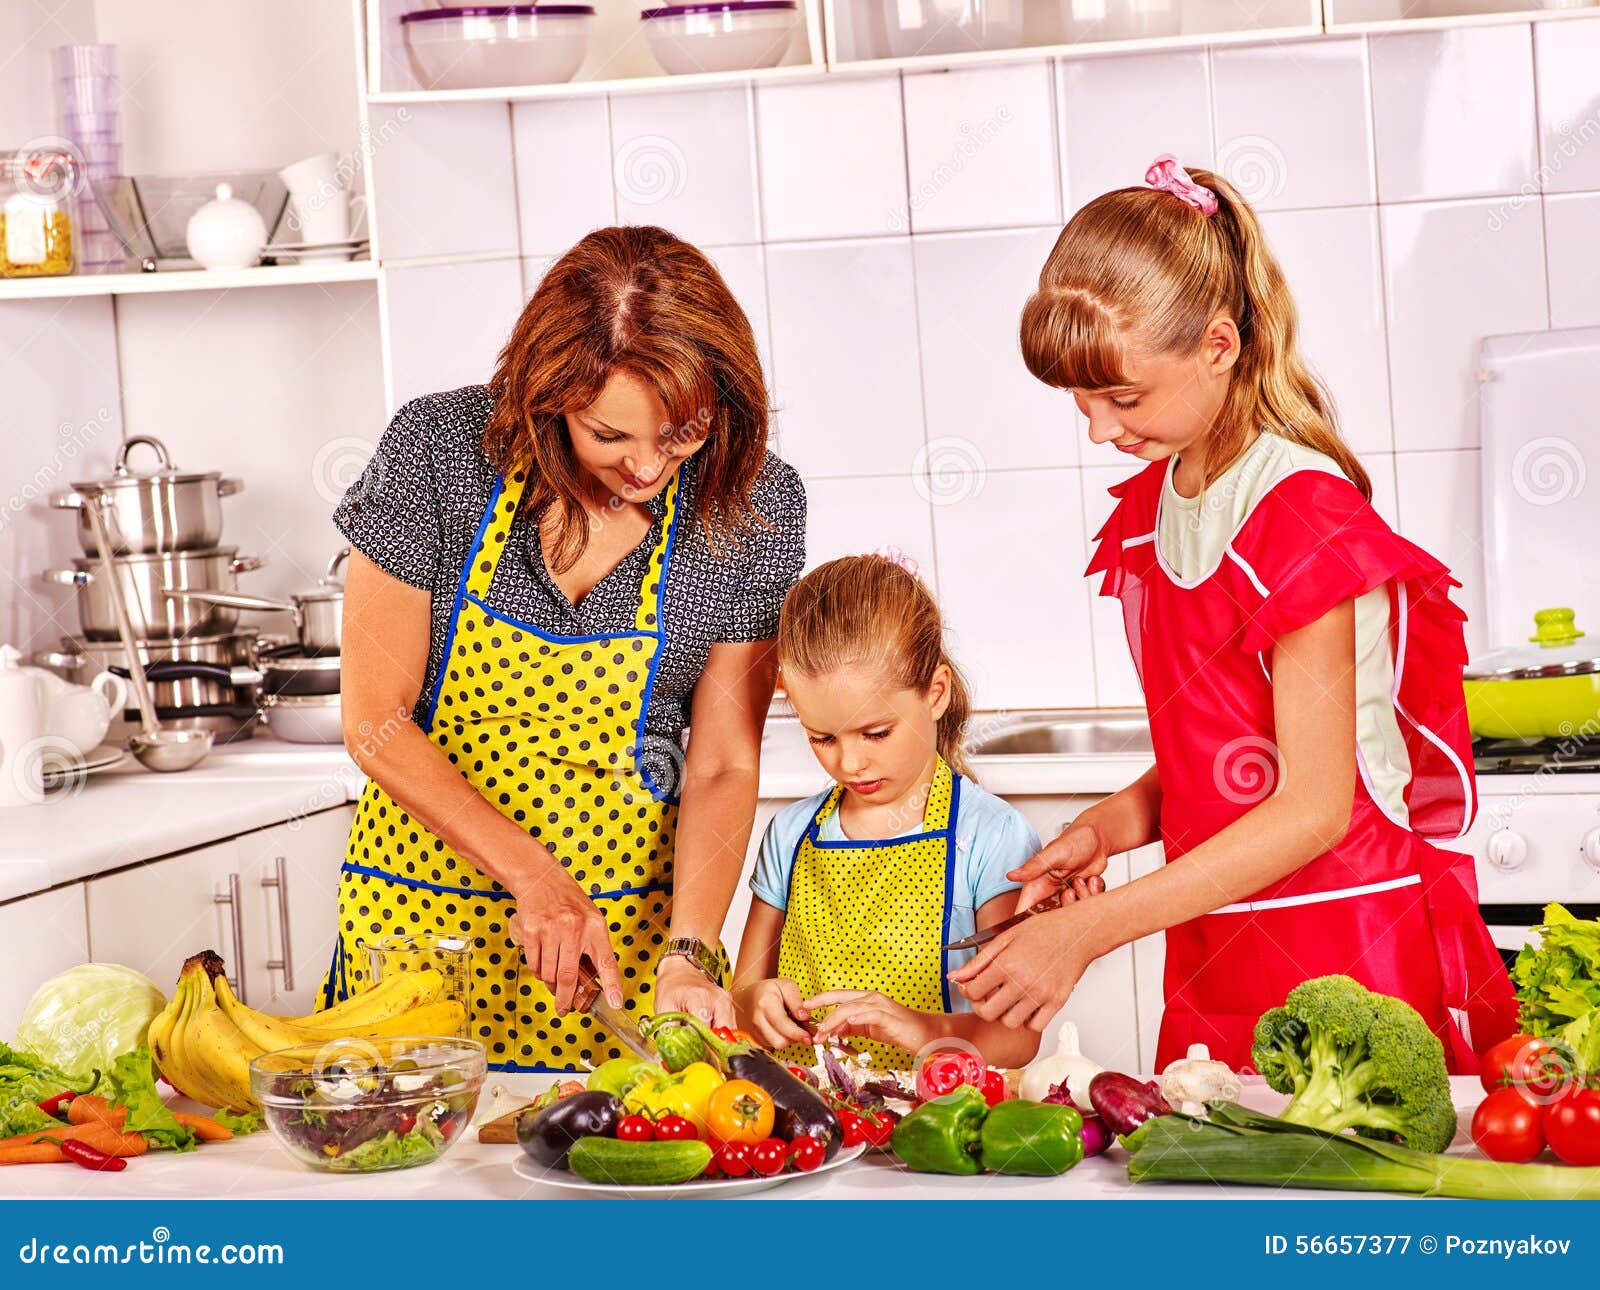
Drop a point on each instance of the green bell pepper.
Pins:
(942, 1136)
(618, 1075)
(1022, 1137)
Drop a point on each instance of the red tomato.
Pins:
(853, 1125)
(806, 1153)
(635, 1128)
(1572, 1126)
(802, 1074)
(947, 1070)
(675, 1128)
(732, 1035)
(1518, 1060)
(733, 1159)
(993, 1087)
(767, 1157)
(878, 1128)
(1506, 1126)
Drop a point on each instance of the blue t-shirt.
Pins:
(992, 838)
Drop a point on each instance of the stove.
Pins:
(1535, 756)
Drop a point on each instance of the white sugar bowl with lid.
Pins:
(226, 233)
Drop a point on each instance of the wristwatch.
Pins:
(712, 961)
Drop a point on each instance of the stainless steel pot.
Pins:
(165, 510)
(304, 718)
(318, 614)
(287, 671)
(145, 580)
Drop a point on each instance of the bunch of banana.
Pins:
(204, 1039)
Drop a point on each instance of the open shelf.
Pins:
(128, 284)
(1343, 17)
(619, 61)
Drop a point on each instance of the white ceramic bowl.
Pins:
(1087, 20)
(951, 26)
(730, 37)
(492, 45)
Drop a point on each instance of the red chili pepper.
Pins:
(87, 1157)
(53, 1105)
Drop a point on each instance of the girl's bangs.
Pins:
(1070, 342)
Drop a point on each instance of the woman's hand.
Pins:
(1025, 975)
(773, 1013)
(557, 925)
(683, 987)
(1072, 865)
(871, 1015)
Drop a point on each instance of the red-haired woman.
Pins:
(553, 576)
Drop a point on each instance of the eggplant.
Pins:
(548, 1135)
(797, 1107)
(1125, 1103)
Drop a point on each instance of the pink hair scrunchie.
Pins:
(1167, 176)
(895, 555)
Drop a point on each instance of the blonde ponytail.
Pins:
(1140, 266)
(866, 609)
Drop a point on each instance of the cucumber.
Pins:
(638, 1164)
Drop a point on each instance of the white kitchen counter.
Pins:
(128, 814)
(258, 1168)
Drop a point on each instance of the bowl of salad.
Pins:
(362, 1105)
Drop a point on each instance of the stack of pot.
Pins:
(165, 528)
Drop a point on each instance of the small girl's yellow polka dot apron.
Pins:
(874, 915)
(550, 729)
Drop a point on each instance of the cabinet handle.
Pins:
(281, 882)
(236, 918)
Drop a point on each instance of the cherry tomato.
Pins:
(993, 1087)
(806, 1153)
(1572, 1126)
(767, 1157)
(675, 1128)
(1522, 1059)
(1506, 1126)
(877, 1129)
(732, 1035)
(854, 1127)
(947, 1070)
(635, 1128)
(739, 1111)
(733, 1159)
(801, 1074)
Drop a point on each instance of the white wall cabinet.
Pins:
(42, 935)
(154, 916)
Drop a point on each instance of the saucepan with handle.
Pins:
(318, 613)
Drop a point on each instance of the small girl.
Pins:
(859, 887)
(1301, 662)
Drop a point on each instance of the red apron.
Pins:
(1383, 906)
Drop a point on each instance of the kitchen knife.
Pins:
(1005, 924)
(591, 999)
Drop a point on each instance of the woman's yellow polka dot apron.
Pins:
(550, 729)
(874, 915)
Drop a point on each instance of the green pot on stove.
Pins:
(1549, 689)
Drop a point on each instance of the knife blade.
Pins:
(1005, 924)
(591, 999)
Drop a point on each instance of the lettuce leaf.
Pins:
(131, 1083)
(25, 1081)
(1558, 983)
(240, 1122)
(394, 1151)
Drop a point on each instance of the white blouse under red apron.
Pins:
(1207, 586)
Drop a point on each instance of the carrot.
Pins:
(39, 1153)
(102, 1137)
(89, 1109)
(55, 1133)
(205, 1128)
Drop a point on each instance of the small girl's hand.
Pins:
(870, 1014)
(774, 1013)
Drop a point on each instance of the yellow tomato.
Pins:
(740, 1111)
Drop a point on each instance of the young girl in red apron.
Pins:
(1275, 531)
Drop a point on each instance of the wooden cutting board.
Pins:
(503, 1129)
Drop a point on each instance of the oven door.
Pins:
(1512, 925)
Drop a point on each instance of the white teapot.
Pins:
(77, 716)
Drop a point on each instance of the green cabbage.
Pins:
(85, 1018)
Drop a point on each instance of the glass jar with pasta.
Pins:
(37, 193)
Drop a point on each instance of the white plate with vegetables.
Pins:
(563, 1180)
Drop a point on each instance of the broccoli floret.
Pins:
(1352, 1059)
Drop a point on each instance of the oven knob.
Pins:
(1591, 848)
(1508, 849)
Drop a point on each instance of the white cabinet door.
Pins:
(42, 935)
(155, 915)
(299, 920)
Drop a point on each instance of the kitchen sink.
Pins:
(1085, 732)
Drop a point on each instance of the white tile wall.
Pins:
(1572, 237)
(563, 164)
(1565, 56)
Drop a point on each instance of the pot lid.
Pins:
(165, 472)
(727, 6)
(499, 11)
(1558, 648)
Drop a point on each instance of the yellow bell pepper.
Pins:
(685, 1094)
